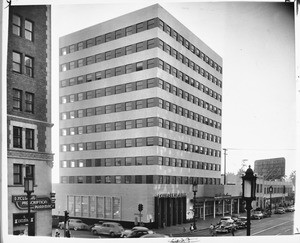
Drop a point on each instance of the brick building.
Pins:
(140, 120)
(29, 117)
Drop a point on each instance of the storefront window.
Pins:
(77, 205)
(93, 207)
(108, 213)
(85, 206)
(71, 205)
(100, 207)
(116, 208)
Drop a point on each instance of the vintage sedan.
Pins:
(108, 228)
(225, 227)
(241, 222)
(257, 215)
(279, 210)
(290, 209)
(75, 224)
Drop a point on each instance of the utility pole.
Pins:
(225, 150)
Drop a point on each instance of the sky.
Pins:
(256, 42)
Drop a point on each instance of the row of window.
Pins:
(140, 142)
(150, 63)
(140, 123)
(22, 63)
(20, 171)
(18, 138)
(140, 47)
(276, 189)
(18, 96)
(141, 160)
(139, 85)
(22, 27)
(99, 207)
(140, 104)
(136, 28)
(139, 179)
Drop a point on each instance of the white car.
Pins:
(75, 224)
(227, 219)
(129, 231)
(108, 228)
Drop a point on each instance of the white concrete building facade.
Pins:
(140, 119)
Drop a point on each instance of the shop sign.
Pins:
(36, 203)
(22, 219)
(171, 195)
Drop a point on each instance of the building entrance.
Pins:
(170, 211)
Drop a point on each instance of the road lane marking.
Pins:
(270, 228)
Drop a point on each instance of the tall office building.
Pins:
(29, 118)
(140, 119)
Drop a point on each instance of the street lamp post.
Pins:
(195, 189)
(249, 189)
(28, 189)
(270, 191)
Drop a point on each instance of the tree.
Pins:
(293, 177)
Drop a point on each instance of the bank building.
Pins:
(140, 121)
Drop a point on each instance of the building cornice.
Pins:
(32, 155)
(31, 120)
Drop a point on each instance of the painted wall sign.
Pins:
(171, 195)
(36, 203)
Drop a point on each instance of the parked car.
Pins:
(139, 233)
(125, 233)
(290, 208)
(241, 222)
(154, 235)
(75, 224)
(108, 228)
(266, 213)
(227, 219)
(279, 210)
(257, 215)
(96, 224)
(225, 227)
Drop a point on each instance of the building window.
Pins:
(129, 68)
(16, 24)
(17, 99)
(29, 171)
(139, 66)
(139, 46)
(128, 50)
(29, 66)
(29, 102)
(17, 62)
(28, 30)
(17, 170)
(129, 31)
(17, 137)
(29, 138)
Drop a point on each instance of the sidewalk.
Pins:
(200, 223)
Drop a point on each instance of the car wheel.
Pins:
(112, 234)
(95, 232)
(75, 228)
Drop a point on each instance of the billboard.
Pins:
(270, 169)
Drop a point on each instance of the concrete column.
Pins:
(231, 206)
(238, 205)
(223, 207)
(203, 210)
(214, 209)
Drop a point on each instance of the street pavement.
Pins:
(185, 228)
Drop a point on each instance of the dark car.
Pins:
(267, 213)
(139, 233)
(241, 222)
(279, 210)
(225, 227)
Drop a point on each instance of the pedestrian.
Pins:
(68, 233)
(211, 229)
(232, 231)
(191, 228)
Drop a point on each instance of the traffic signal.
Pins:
(140, 207)
(66, 216)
